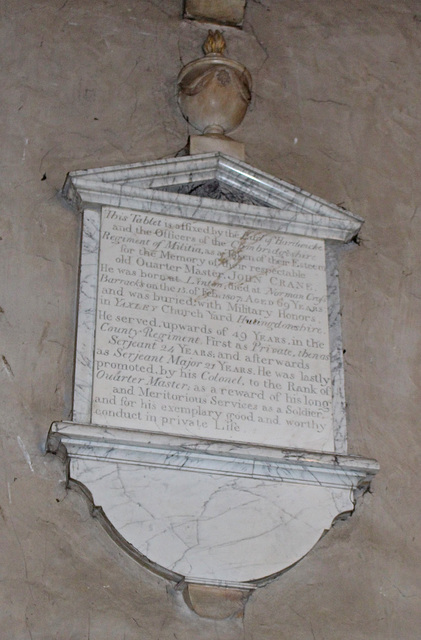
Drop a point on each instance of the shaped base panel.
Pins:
(214, 513)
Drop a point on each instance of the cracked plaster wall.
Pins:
(336, 110)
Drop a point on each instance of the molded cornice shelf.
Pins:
(142, 448)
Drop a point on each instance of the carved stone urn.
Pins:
(214, 92)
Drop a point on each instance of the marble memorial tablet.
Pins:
(212, 331)
(208, 387)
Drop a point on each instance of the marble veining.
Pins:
(86, 331)
(196, 509)
(86, 316)
(205, 527)
(336, 354)
(287, 208)
(186, 170)
(185, 358)
(299, 222)
(205, 456)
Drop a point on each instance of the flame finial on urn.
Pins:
(214, 91)
(214, 43)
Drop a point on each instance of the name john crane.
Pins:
(212, 331)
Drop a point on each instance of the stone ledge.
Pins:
(87, 441)
(229, 12)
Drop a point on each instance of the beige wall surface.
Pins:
(336, 110)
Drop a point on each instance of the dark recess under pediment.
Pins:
(215, 189)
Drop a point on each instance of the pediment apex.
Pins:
(210, 176)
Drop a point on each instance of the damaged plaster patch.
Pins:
(25, 453)
(7, 367)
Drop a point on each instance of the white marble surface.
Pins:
(85, 339)
(286, 208)
(222, 458)
(211, 511)
(201, 526)
(336, 349)
(158, 175)
(213, 331)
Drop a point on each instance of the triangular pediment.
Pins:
(214, 182)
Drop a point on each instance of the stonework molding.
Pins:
(144, 186)
(89, 441)
(229, 12)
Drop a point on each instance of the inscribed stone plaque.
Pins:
(212, 331)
